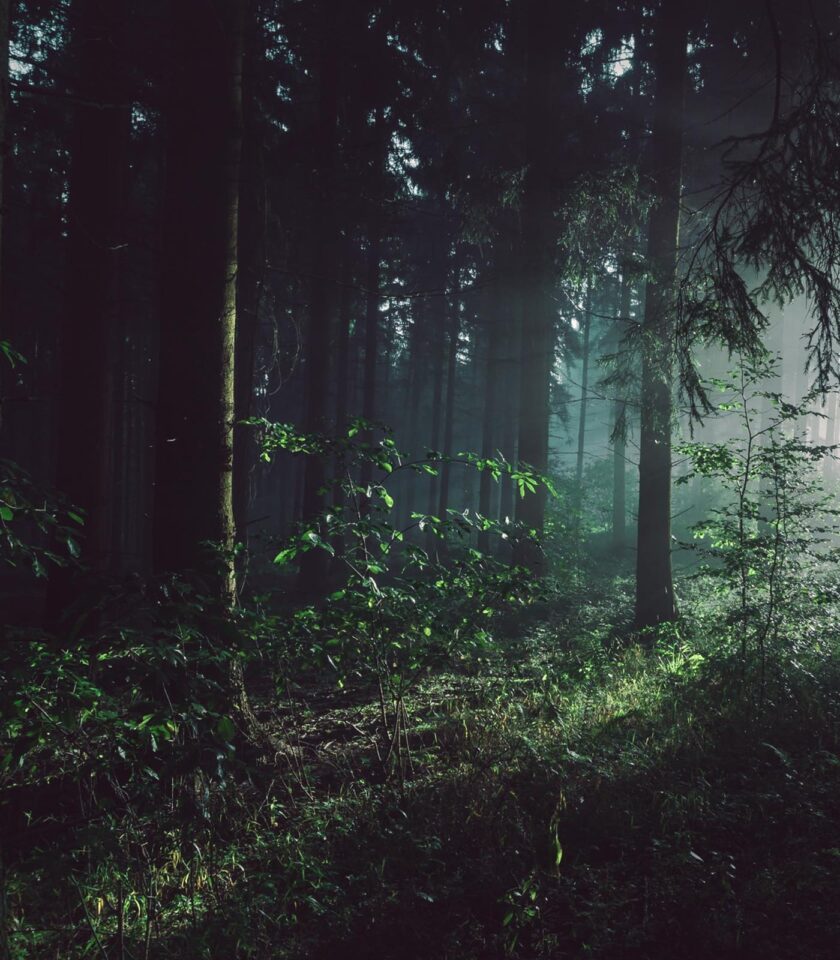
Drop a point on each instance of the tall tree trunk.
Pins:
(314, 564)
(5, 23)
(250, 275)
(451, 386)
(4, 100)
(619, 428)
(195, 404)
(440, 261)
(655, 602)
(342, 378)
(509, 372)
(491, 323)
(537, 270)
(374, 258)
(88, 338)
(416, 371)
(584, 388)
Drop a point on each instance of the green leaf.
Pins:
(286, 556)
(226, 728)
(6, 513)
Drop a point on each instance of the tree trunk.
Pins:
(509, 373)
(314, 564)
(619, 427)
(89, 337)
(250, 275)
(342, 388)
(5, 15)
(491, 323)
(584, 388)
(374, 257)
(440, 259)
(655, 602)
(195, 405)
(451, 378)
(537, 270)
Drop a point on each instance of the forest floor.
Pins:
(577, 796)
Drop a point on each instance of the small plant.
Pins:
(759, 543)
(399, 607)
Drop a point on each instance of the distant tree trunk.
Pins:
(195, 406)
(440, 258)
(509, 374)
(250, 274)
(88, 340)
(5, 16)
(342, 379)
(374, 258)
(345, 309)
(537, 270)
(619, 414)
(655, 602)
(416, 371)
(584, 386)
(489, 426)
(314, 564)
(451, 387)
(4, 100)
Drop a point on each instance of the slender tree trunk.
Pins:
(195, 406)
(416, 371)
(489, 426)
(374, 258)
(250, 275)
(655, 602)
(342, 388)
(584, 387)
(314, 564)
(509, 375)
(88, 340)
(5, 22)
(345, 309)
(451, 387)
(4, 100)
(619, 427)
(537, 271)
(440, 257)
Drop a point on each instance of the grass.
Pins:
(576, 796)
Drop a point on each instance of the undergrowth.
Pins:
(574, 795)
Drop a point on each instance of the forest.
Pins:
(419, 473)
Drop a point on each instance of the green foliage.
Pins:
(770, 531)
(37, 527)
(402, 606)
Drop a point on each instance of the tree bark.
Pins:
(314, 564)
(537, 270)
(89, 336)
(250, 277)
(619, 427)
(5, 23)
(451, 386)
(491, 323)
(655, 601)
(374, 258)
(195, 405)
(584, 388)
